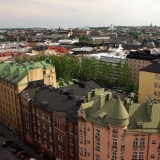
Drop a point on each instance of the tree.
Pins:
(123, 73)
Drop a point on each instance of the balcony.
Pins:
(115, 135)
(97, 138)
(122, 148)
(114, 148)
(135, 147)
(142, 148)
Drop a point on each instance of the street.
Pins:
(6, 153)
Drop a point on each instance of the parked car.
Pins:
(28, 158)
(6, 143)
(16, 150)
(1, 133)
(20, 153)
(14, 146)
(23, 156)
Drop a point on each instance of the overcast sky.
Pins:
(78, 13)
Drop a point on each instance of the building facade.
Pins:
(47, 125)
(139, 59)
(13, 79)
(149, 82)
(109, 129)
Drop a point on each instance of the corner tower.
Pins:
(118, 121)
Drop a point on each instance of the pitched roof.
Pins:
(14, 72)
(113, 112)
(118, 113)
(154, 67)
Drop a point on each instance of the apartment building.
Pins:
(109, 129)
(138, 60)
(149, 82)
(50, 117)
(13, 79)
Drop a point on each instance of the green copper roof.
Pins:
(14, 73)
(118, 114)
(113, 112)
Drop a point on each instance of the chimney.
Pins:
(149, 102)
(102, 100)
(89, 96)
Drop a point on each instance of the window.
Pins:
(142, 141)
(34, 128)
(152, 156)
(49, 118)
(61, 138)
(50, 138)
(39, 131)
(159, 94)
(134, 155)
(33, 110)
(84, 127)
(135, 141)
(156, 76)
(114, 155)
(71, 141)
(38, 122)
(85, 152)
(114, 142)
(71, 130)
(158, 156)
(97, 132)
(45, 143)
(155, 85)
(71, 152)
(98, 146)
(50, 129)
(153, 142)
(141, 155)
(44, 134)
(85, 140)
(81, 139)
(81, 150)
(59, 147)
(155, 93)
(115, 130)
(58, 137)
(40, 139)
(158, 85)
(37, 113)
(122, 142)
(44, 125)
(51, 147)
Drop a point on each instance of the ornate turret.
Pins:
(118, 115)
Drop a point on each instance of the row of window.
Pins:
(42, 115)
(156, 93)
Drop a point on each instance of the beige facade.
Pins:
(10, 111)
(149, 84)
(135, 65)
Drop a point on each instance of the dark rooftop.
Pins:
(155, 68)
(142, 55)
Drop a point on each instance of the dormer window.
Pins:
(139, 123)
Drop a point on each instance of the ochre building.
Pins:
(13, 79)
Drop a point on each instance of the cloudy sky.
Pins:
(78, 13)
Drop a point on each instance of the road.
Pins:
(6, 153)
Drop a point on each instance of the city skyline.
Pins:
(77, 13)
